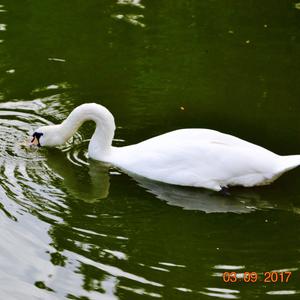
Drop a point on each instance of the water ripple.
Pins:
(80, 227)
(221, 293)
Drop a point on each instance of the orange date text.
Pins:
(251, 277)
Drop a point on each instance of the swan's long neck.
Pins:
(100, 144)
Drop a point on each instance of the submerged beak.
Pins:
(35, 142)
(36, 139)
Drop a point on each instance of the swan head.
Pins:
(48, 136)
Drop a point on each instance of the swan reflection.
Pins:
(199, 199)
(95, 177)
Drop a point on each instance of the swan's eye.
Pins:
(36, 138)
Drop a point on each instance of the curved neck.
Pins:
(100, 144)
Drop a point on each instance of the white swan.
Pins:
(189, 157)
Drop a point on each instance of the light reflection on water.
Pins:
(131, 2)
(3, 26)
(130, 18)
(133, 19)
(222, 293)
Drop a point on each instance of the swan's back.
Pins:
(196, 135)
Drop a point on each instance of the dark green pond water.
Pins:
(70, 227)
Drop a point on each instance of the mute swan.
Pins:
(188, 157)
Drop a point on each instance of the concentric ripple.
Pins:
(23, 172)
(77, 153)
(16, 127)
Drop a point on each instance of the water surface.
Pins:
(74, 228)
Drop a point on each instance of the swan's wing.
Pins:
(183, 158)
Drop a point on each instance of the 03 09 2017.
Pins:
(252, 277)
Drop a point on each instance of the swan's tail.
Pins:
(290, 162)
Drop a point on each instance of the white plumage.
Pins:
(188, 157)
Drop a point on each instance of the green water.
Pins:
(73, 229)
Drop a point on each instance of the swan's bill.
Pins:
(36, 139)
